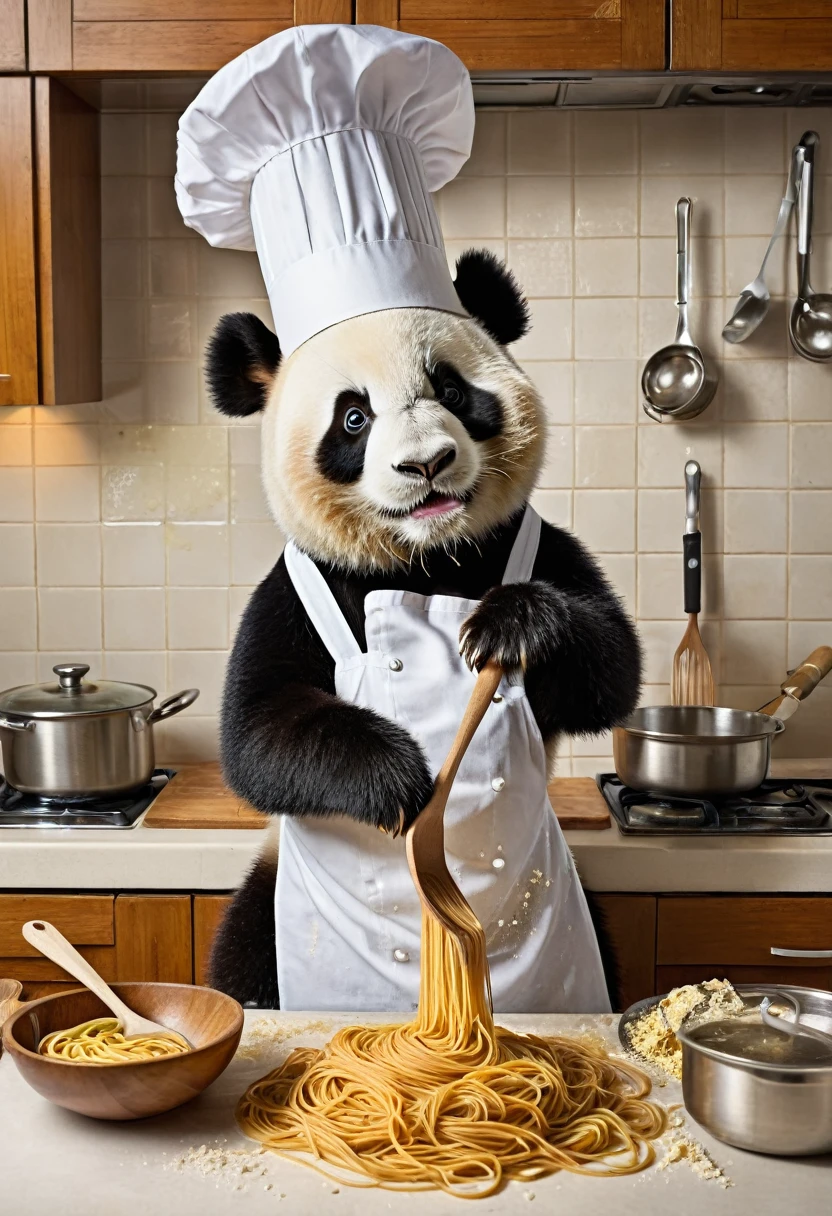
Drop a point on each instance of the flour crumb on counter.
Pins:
(234, 1166)
(265, 1033)
(681, 1147)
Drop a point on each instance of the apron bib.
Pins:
(348, 919)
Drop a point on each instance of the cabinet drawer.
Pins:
(741, 930)
(103, 958)
(85, 920)
(695, 973)
(208, 913)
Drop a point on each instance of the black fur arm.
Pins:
(569, 630)
(289, 745)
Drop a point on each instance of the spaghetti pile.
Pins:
(101, 1041)
(450, 1100)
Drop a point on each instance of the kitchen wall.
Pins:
(132, 532)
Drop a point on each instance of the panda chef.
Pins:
(400, 443)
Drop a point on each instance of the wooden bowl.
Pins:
(210, 1020)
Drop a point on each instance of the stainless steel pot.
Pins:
(79, 739)
(781, 1106)
(696, 750)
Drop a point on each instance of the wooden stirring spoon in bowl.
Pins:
(52, 943)
(425, 840)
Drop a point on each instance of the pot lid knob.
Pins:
(71, 675)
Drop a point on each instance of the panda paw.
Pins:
(395, 783)
(517, 625)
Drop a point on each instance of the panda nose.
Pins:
(431, 468)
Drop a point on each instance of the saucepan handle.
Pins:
(805, 678)
(15, 724)
(173, 705)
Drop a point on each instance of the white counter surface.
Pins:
(56, 1162)
(173, 859)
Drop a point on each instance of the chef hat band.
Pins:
(320, 148)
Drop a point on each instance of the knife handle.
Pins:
(809, 674)
(692, 549)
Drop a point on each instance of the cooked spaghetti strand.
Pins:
(451, 1101)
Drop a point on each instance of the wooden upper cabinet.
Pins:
(50, 245)
(751, 35)
(534, 35)
(160, 35)
(12, 36)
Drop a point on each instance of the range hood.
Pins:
(651, 91)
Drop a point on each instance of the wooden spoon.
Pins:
(425, 840)
(51, 942)
(10, 990)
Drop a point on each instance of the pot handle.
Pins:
(172, 705)
(12, 724)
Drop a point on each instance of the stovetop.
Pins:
(778, 807)
(29, 811)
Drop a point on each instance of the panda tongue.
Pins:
(437, 504)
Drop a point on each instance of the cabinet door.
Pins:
(751, 35)
(208, 912)
(159, 36)
(626, 928)
(18, 279)
(12, 36)
(527, 35)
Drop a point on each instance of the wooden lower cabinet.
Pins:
(649, 943)
(125, 937)
(208, 912)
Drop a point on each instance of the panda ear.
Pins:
(489, 292)
(242, 359)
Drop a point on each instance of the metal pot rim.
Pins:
(761, 725)
(750, 1065)
(44, 715)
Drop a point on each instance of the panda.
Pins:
(399, 451)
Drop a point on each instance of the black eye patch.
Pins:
(340, 454)
(478, 410)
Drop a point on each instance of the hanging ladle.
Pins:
(810, 325)
(676, 381)
(754, 300)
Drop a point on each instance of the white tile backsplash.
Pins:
(133, 531)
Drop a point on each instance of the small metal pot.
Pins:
(777, 1108)
(78, 739)
(692, 751)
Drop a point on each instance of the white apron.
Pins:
(347, 914)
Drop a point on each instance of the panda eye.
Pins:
(451, 394)
(354, 420)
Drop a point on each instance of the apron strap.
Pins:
(524, 551)
(320, 604)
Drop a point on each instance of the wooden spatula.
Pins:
(692, 682)
(425, 840)
(51, 942)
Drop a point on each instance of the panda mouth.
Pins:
(436, 504)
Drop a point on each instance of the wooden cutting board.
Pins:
(197, 798)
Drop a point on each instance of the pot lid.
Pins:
(73, 695)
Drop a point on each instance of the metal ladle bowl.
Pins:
(810, 324)
(676, 381)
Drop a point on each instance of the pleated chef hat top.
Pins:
(319, 148)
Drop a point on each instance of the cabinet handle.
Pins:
(5, 376)
(783, 952)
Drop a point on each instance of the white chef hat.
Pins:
(319, 148)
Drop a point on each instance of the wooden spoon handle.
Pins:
(809, 674)
(51, 942)
(488, 681)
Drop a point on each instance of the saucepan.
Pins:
(696, 750)
(77, 738)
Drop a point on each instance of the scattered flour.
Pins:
(683, 1148)
(236, 1167)
(265, 1033)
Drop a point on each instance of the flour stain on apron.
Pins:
(347, 915)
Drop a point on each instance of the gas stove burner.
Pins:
(784, 807)
(122, 811)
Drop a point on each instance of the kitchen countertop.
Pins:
(217, 860)
(56, 1161)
